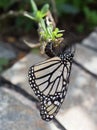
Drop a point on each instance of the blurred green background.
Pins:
(80, 15)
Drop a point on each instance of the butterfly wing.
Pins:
(49, 82)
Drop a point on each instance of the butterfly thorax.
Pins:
(67, 57)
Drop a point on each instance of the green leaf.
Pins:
(33, 5)
(49, 30)
(43, 25)
(38, 15)
(29, 16)
(55, 32)
(56, 29)
(59, 35)
(45, 8)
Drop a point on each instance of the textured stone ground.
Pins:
(6, 51)
(17, 115)
(79, 110)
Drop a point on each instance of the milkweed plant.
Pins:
(47, 32)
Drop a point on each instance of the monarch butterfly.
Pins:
(49, 81)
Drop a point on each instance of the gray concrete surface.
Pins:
(19, 113)
(6, 51)
(91, 40)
